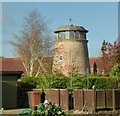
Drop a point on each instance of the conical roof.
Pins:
(71, 28)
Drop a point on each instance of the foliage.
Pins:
(101, 83)
(59, 81)
(95, 82)
(50, 110)
(52, 81)
(46, 81)
(28, 82)
(78, 83)
(110, 56)
(115, 72)
(43, 81)
(95, 68)
(25, 112)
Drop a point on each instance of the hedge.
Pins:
(59, 81)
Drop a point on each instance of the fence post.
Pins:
(94, 107)
(113, 94)
(105, 98)
(59, 96)
(82, 94)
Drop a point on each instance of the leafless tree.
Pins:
(33, 44)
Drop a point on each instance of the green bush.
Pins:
(101, 83)
(48, 81)
(59, 81)
(112, 83)
(43, 81)
(89, 82)
(28, 82)
(50, 110)
(77, 83)
(25, 112)
(94, 82)
(115, 72)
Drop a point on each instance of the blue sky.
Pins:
(100, 18)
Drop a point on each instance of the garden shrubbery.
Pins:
(59, 81)
(52, 81)
(99, 83)
(42, 110)
(28, 82)
(115, 72)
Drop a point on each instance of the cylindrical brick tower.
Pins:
(71, 51)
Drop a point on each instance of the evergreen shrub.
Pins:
(59, 81)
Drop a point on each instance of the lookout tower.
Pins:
(71, 51)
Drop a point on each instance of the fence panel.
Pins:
(54, 96)
(78, 99)
(100, 99)
(109, 99)
(64, 99)
(89, 100)
(84, 100)
(47, 94)
(117, 99)
(58, 96)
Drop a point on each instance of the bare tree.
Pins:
(33, 44)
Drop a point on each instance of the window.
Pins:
(87, 70)
(77, 34)
(83, 35)
(61, 35)
(60, 57)
(71, 34)
(56, 36)
(67, 35)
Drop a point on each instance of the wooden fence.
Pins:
(82, 99)
(57, 96)
(96, 99)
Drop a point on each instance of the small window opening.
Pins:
(61, 57)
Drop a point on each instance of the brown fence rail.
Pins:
(96, 99)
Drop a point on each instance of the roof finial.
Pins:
(70, 20)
